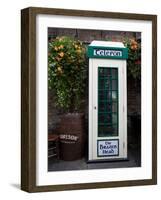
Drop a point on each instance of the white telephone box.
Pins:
(107, 101)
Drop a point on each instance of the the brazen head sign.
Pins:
(107, 147)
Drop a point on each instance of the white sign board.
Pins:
(104, 52)
(108, 147)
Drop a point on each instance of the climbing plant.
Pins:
(67, 72)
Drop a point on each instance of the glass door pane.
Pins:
(107, 101)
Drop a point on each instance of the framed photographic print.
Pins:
(89, 99)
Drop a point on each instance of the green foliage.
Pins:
(67, 72)
(134, 60)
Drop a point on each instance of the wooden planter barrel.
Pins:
(72, 136)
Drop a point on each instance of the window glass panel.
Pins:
(114, 84)
(107, 101)
(108, 95)
(102, 107)
(109, 107)
(114, 72)
(114, 118)
(115, 130)
(107, 130)
(114, 106)
(114, 95)
(107, 84)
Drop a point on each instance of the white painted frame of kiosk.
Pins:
(93, 138)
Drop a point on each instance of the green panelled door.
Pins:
(107, 101)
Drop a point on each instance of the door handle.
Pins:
(95, 107)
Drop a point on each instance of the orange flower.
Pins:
(134, 47)
(61, 46)
(58, 59)
(134, 44)
(133, 41)
(61, 38)
(78, 51)
(61, 54)
(59, 70)
(56, 48)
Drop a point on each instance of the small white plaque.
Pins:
(108, 147)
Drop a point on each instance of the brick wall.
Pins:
(133, 97)
(53, 112)
(87, 36)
